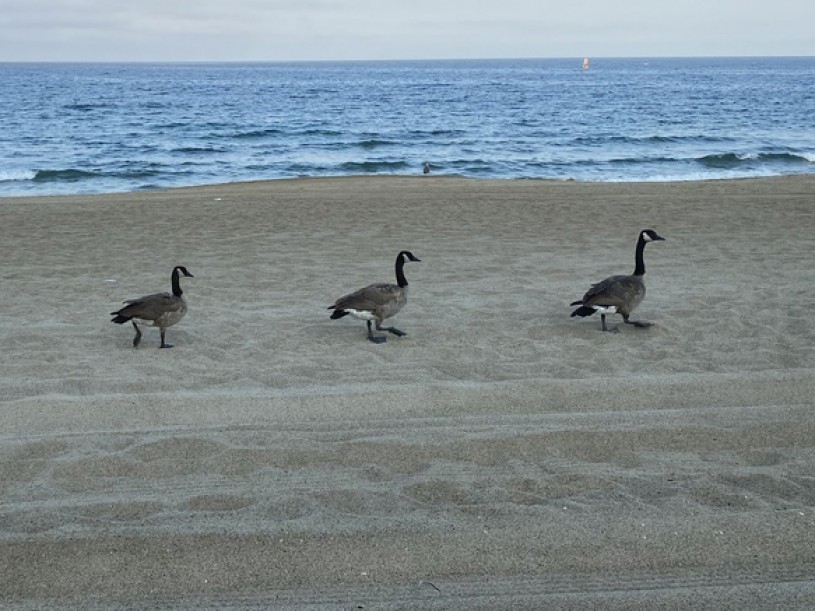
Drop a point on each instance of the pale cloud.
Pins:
(230, 30)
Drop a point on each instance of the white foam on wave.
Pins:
(8, 175)
(693, 176)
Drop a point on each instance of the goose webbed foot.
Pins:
(393, 330)
(376, 339)
(136, 339)
(640, 324)
(163, 343)
(606, 327)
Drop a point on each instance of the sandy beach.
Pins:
(501, 455)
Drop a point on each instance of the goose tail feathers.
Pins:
(583, 310)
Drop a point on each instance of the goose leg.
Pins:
(393, 330)
(163, 343)
(640, 324)
(136, 339)
(377, 339)
(605, 328)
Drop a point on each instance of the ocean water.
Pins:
(86, 128)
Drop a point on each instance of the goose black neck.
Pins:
(176, 284)
(400, 273)
(639, 258)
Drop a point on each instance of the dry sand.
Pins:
(501, 455)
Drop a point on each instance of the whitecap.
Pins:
(11, 175)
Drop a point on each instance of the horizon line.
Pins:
(392, 60)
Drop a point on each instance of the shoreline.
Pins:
(501, 451)
(803, 176)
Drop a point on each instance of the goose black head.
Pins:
(410, 256)
(181, 269)
(649, 235)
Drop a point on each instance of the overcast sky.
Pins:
(269, 30)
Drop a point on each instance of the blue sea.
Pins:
(88, 128)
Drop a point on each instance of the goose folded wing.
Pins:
(614, 291)
(369, 298)
(152, 306)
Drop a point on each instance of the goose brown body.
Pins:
(378, 301)
(160, 310)
(619, 294)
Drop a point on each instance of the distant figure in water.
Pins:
(426, 168)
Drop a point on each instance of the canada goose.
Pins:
(377, 301)
(619, 294)
(160, 310)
